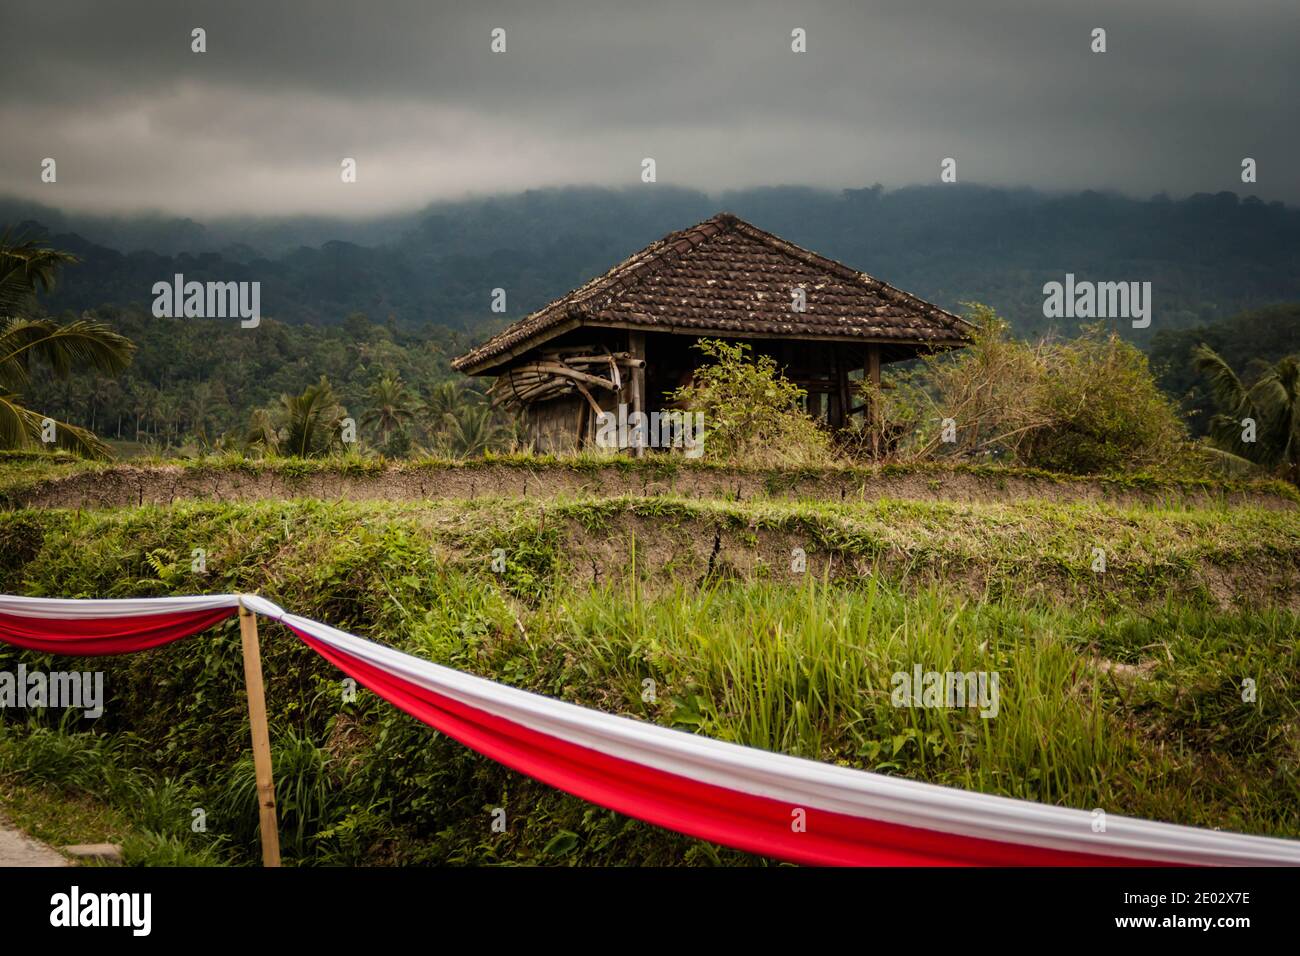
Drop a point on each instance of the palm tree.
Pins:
(170, 414)
(1272, 402)
(146, 404)
(311, 420)
(102, 393)
(443, 400)
(75, 346)
(262, 432)
(303, 426)
(390, 405)
(471, 431)
(24, 265)
(199, 411)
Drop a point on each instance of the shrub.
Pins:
(303, 426)
(752, 413)
(1082, 406)
(1106, 411)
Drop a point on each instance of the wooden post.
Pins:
(261, 736)
(839, 401)
(872, 416)
(636, 348)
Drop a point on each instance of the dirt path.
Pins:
(18, 849)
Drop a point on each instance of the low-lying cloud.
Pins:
(585, 90)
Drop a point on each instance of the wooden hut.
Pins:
(626, 337)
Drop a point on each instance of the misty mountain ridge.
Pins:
(1207, 256)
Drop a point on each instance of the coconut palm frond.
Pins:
(1233, 464)
(261, 431)
(391, 406)
(81, 441)
(23, 428)
(1260, 424)
(25, 266)
(471, 431)
(75, 346)
(1229, 393)
(15, 427)
(301, 426)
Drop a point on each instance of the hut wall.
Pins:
(559, 425)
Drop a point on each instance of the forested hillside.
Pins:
(1207, 256)
(201, 379)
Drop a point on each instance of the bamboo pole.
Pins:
(587, 395)
(874, 420)
(636, 348)
(261, 736)
(556, 369)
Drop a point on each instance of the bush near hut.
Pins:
(1084, 406)
(752, 413)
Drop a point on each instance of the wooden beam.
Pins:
(484, 365)
(872, 418)
(636, 348)
(842, 388)
(261, 736)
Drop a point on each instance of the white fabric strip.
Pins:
(69, 609)
(809, 784)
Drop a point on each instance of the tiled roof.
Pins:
(728, 277)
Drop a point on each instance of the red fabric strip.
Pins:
(744, 821)
(95, 637)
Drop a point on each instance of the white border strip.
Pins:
(70, 609)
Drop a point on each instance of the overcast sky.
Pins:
(586, 89)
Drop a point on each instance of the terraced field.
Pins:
(766, 608)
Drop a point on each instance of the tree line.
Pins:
(191, 386)
(119, 378)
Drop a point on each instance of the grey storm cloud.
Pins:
(586, 90)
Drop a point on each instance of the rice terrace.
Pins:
(546, 512)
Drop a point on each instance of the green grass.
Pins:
(601, 595)
(64, 787)
(1203, 556)
(807, 671)
(803, 668)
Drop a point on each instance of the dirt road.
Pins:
(18, 849)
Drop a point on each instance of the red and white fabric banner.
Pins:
(97, 627)
(754, 800)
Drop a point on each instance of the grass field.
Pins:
(1120, 690)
